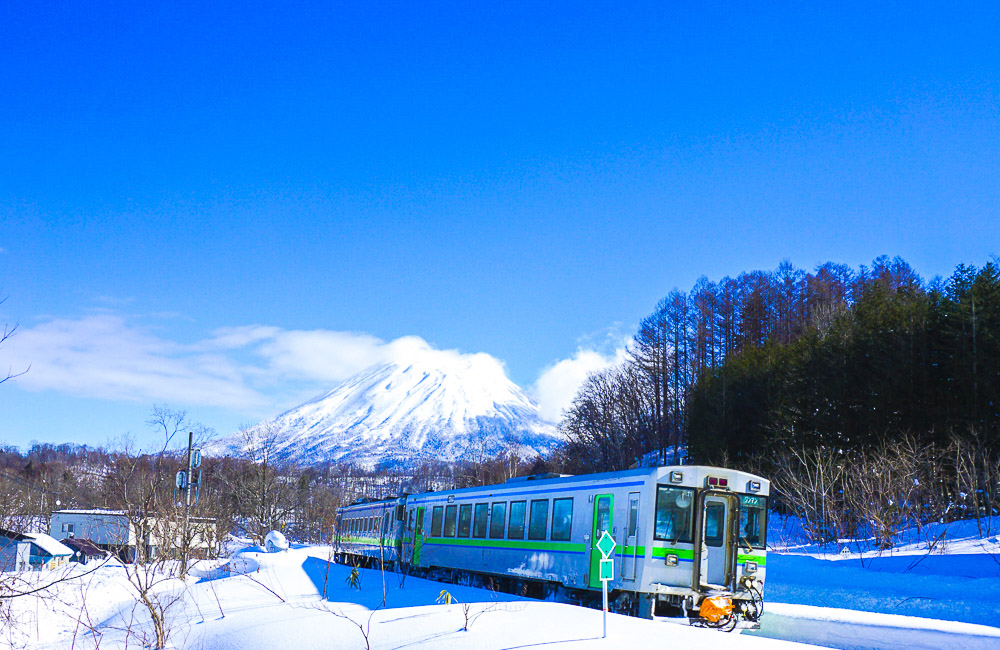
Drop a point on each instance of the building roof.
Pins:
(83, 546)
(11, 535)
(95, 511)
(49, 544)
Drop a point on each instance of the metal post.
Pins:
(187, 505)
(604, 584)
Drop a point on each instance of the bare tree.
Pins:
(264, 500)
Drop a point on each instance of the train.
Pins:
(690, 540)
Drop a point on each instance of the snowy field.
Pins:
(911, 598)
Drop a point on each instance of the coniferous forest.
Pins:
(828, 381)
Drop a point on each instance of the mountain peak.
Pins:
(426, 405)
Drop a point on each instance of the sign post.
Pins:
(606, 545)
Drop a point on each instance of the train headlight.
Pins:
(671, 560)
(750, 567)
(753, 486)
(676, 477)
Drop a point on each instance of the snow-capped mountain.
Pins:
(440, 407)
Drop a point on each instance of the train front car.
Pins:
(689, 540)
(706, 541)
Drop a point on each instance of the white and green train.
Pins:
(690, 539)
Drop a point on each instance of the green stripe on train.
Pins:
(761, 560)
(681, 553)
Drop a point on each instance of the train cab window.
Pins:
(515, 530)
(498, 520)
(674, 510)
(437, 518)
(465, 520)
(715, 523)
(539, 519)
(450, 515)
(753, 521)
(562, 519)
(479, 522)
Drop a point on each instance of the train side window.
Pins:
(409, 521)
(479, 522)
(674, 510)
(497, 520)
(450, 515)
(753, 521)
(465, 520)
(516, 528)
(715, 519)
(539, 519)
(562, 519)
(437, 518)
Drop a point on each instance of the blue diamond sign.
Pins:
(606, 545)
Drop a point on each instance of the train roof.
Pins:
(551, 480)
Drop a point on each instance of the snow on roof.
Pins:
(49, 544)
(96, 511)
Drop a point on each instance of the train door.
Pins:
(418, 536)
(604, 505)
(630, 554)
(716, 545)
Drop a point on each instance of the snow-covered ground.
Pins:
(911, 598)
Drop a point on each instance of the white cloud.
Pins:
(254, 369)
(103, 356)
(558, 383)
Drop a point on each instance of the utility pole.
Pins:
(186, 480)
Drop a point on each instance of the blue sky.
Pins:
(228, 208)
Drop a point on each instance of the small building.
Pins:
(31, 551)
(125, 536)
(108, 530)
(84, 550)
